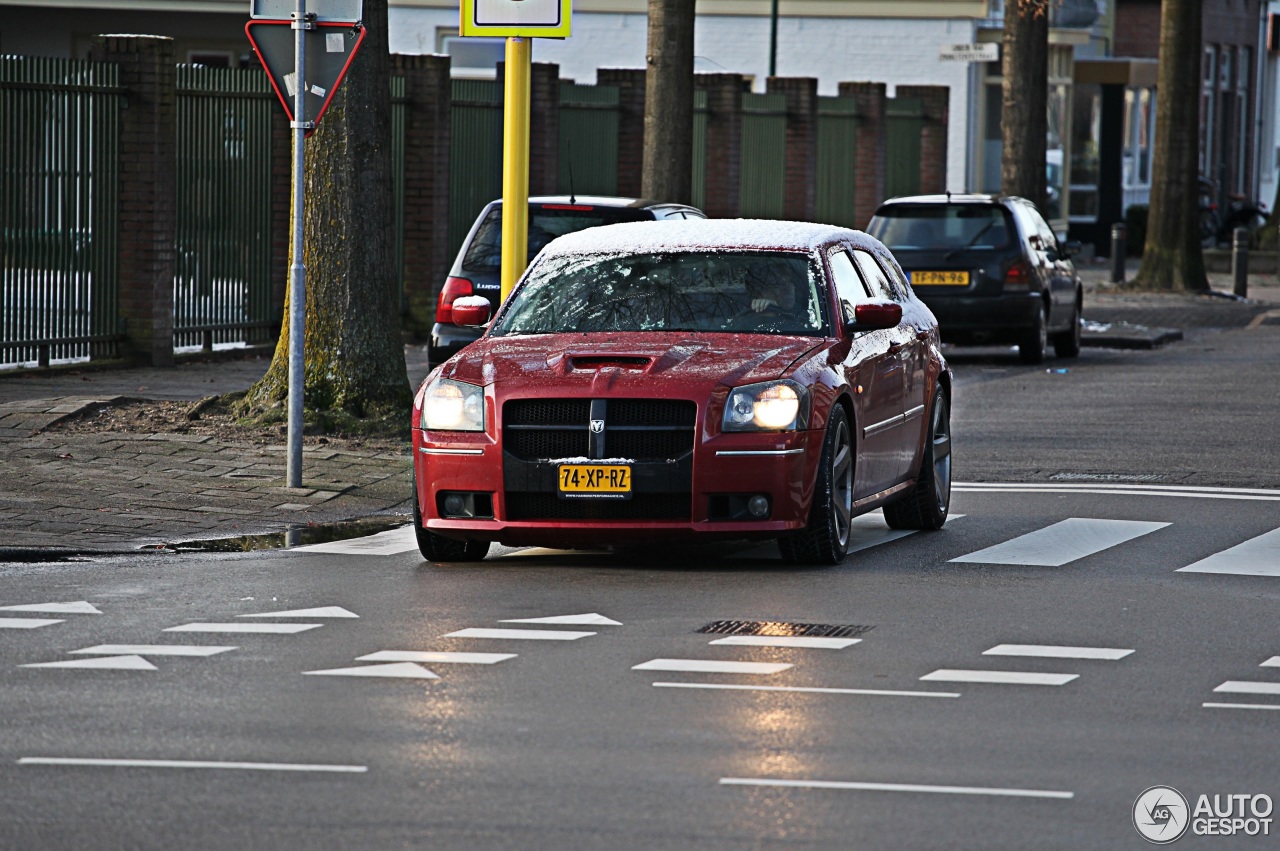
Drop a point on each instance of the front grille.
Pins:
(641, 506)
(637, 429)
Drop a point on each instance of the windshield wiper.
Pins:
(953, 252)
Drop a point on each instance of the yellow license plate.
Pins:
(946, 279)
(608, 481)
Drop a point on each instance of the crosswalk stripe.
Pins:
(248, 628)
(711, 666)
(1248, 687)
(519, 634)
(104, 663)
(1048, 651)
(1258, 556)
(388, 543)
(1273, 662)
(152, 650)
(441, 657)
(1063, 542)
(1019, 678)
(396, 670)
(806, 641)
(26, 623)
(1240, 706)
(875, 692)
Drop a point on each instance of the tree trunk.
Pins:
(354, 358)
(668, 103)
(1172, 257)
(1024, 116)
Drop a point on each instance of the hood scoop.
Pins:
(596, 362)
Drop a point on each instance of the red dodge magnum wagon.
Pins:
(653, 381)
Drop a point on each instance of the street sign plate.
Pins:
(527, 18)
(329, 51)
(339, 11)
(986, 52)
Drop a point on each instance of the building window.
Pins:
(471, 57)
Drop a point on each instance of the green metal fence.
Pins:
(763, 182)
(475, 155)
(588, 154)
(905, 120)
(222, 280)
(58, 203)
(837, 191)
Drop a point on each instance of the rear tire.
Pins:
(1067, 343)
(1032, 346)
(439, 548)
(927, 504)
(825, 540)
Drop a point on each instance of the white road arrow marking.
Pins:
(106, 663)
(591, 619)
(443, 657)
(401, 670)
(80, 607)
(258, 628)
(26, 623)
(325, 612)
(151, 650)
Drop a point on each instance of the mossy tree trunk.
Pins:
(1024, 101)
(1172, 258)
(354, 357)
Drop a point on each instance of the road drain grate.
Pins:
(782, 628)
(1107, 477)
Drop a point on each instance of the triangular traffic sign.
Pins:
(330, 48)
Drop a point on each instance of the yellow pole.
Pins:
(515, 163)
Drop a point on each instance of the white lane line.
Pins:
(806, 641)
(711, 666)
(809, 689)
(1239, 706)
(1258, 556)
(388, 543)
(183, 763)
(151, 650)
(1186, 491)
(102, 663)
(26, 623)
(1247, 687)
(323, 612)
(1020, 678)
(519, 634)
(436, 656)
(1051, 651)
(1063, 542)
(896, 787)
(590, 619)
(249, 628)
(80, 607)
(397, 670)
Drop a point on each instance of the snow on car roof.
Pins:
(695, 235)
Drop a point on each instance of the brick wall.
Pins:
(802, 144)
(630, 85)
(724, 143)
(873, 152)
(933, 135)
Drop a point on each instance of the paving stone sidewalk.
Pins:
(115, 492)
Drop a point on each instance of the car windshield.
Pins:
(546, 222)
(752, 292)
(945, 227)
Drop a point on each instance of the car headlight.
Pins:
(450, 405)
(768, 406)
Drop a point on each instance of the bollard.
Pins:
(1240, 261)
(1118, 250)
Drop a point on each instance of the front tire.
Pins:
(825, 540)
(439, 548)
(927, 504)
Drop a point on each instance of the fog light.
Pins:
(454, 504)
(758, 506)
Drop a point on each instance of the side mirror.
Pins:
(472, 311)
(873, 316)
(1070, 248)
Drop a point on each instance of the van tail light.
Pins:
(1017, 278)
(454, 288)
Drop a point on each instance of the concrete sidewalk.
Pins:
(67, 492)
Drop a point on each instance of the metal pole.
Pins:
(773, 38)
(515, 163)
(1240, 261)
(1119, 234)
(298, 269)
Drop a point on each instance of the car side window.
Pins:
(877, 281)
(850, 290)
(1048, 240)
